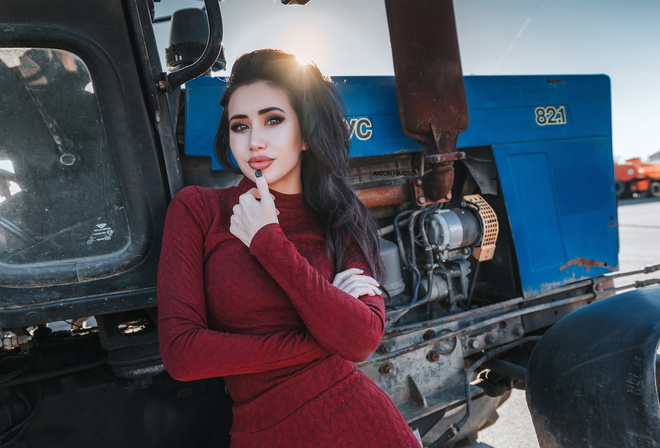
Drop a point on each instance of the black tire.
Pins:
(619, 188)
(654, 189)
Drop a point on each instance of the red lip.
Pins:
(260, 162)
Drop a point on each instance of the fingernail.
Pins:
(257, 173)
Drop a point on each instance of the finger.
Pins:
(362, 291)
(262, 185)
(341, 276)
(354, 283)
(246, 198)
(257, 195)
(365, 279)
(346, 281)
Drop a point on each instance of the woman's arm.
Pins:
(188, 348)
(342, 324)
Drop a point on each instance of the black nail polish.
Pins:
(258, 173)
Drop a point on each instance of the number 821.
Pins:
(550, 115)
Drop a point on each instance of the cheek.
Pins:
(236, 147)
(293, 138)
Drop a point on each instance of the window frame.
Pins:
(38, 294)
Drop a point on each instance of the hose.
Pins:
(456, 427)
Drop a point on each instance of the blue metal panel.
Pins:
(557, 180)
(202, 116)
(560, 201)
(501, 108)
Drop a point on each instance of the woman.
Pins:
(270, 287)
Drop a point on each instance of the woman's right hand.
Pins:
(352, 282)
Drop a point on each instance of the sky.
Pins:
(496, 37)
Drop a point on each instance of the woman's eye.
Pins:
(238, 127)
(274, 120)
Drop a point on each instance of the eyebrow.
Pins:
(261, 112)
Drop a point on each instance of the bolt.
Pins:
(598, 287)
(386, 369)
(384, 348)
(433, 356)
(518, 331)
(419, 182)
(421, 200)
(429, 334)
(490, 339)
(474, 343)
(33, 317)
(161, 85)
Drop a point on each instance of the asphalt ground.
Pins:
(639, 246)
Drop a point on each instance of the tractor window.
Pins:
(60, 201)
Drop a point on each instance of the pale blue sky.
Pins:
(502, 37)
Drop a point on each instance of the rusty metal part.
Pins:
(495, 307)
(420, 196)
(399, 194)
(429, 334)
(437, 182)
(587, 263)
(485, 323)
(438, 158)
(433, 356)
(384, 348)
(386, 369)
(381, 196)
(429, 78)
(429, 81)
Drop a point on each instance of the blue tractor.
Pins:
(491, 233)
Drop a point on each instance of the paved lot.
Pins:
(639, 246)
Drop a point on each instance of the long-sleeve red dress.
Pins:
(268, 320)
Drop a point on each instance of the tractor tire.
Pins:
(654, 189)
(619, 189)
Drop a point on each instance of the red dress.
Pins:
(268, 320)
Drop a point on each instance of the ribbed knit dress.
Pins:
(268, 320)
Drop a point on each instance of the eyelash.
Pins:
(278, 119)
(239, 127)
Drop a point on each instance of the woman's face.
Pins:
(264, 134)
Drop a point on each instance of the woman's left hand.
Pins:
(353, 281)
(255, 209)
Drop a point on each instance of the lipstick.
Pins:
(260, 162)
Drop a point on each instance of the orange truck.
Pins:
(634, 177)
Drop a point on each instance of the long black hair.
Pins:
(324, 166)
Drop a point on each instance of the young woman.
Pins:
(269, 283)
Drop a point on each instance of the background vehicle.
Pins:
(637, 177)
(486, 243)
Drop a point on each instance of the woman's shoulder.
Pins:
(204, 202)
(195, 193)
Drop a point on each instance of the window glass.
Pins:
(59, 194)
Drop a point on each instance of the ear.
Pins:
(304, 146)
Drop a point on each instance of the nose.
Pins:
(257, 141)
